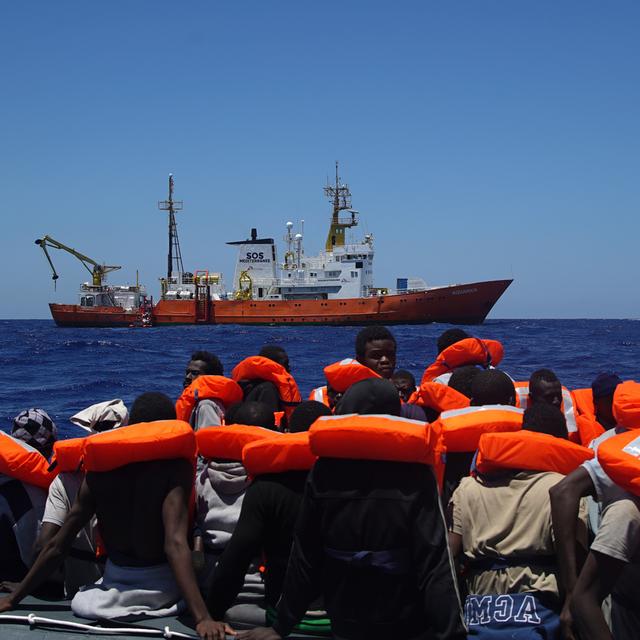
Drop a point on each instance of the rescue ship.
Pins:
(334, 287)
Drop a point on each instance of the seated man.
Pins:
(376, 349)
(207, 411)
(371, 505)
(544, 387)
(264, 390)
(501, 531)
(405, 383)
(611, 568)
(142, 508)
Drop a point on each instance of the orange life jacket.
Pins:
(341, 375)
(68, 454)
(529, 450)
(583, 402)
(465, 352)
(319, 394)
(460, 429)
(438, 396)
(626, 404)
(620, 459)
(567, 407)
(143, 442)
(20, 461)
(283, 452)
(261, 368)
(225, 390)
(226, 443)
(372, 437)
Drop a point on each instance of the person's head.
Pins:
(405, 383)
(305, 414)
(449, 337)
(545, 418)
(370, 396)
(152, 406)
(492, 386)
(275, 353)
(602, 390)
(35, 428)
(462, 379)
(257, 414)
(376, 349)
(202, 363)
(545, 387)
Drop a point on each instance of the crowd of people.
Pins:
(464, 504)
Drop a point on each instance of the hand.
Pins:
(259, 633)
(211, 630)
(6, 604)
(566, 621)
(9, 587)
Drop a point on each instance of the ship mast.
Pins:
(341, 199)
(174, 258)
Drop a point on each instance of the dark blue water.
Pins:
(66, 370)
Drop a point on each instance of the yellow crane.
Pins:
(98, 271)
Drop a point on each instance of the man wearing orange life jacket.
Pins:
(267, 378)
(22, 501)
(267, 519)
(143, 508)
(594, 407)
(616, 536)
(501, 526)
(371, 538)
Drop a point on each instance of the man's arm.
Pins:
(565, 502)
(175, 519)
(56, 549)
(597, 579)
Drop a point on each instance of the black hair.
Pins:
(305, 414)
(462, 379)
(370, 396)
(151, 406)
(368, 334)
(274, 352)
(542, 374)
(449, 337)
(213, 364)
(545, 418)
(255, 413)
(403, 374)
(492, 386)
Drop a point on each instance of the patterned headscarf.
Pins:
(37, 429)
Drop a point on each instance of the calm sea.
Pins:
(66, 370)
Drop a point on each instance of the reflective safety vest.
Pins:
(439, 397)
(470, 351)
(372, 437)
(283, 452)
(22, 462)
(143, 442)
(567, 407)
(261, 368)
(225, 390)
(529, 450)
(626, 404)
(227, 442)
(620, 459)
(319, 394)
(460, 429)
(68, 454)
(341, 375)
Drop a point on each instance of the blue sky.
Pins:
(481, 139)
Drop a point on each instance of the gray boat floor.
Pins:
(60, 610)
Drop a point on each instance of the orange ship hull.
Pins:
(456, 304)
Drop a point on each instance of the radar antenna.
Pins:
(341, 199)
(174, 258)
